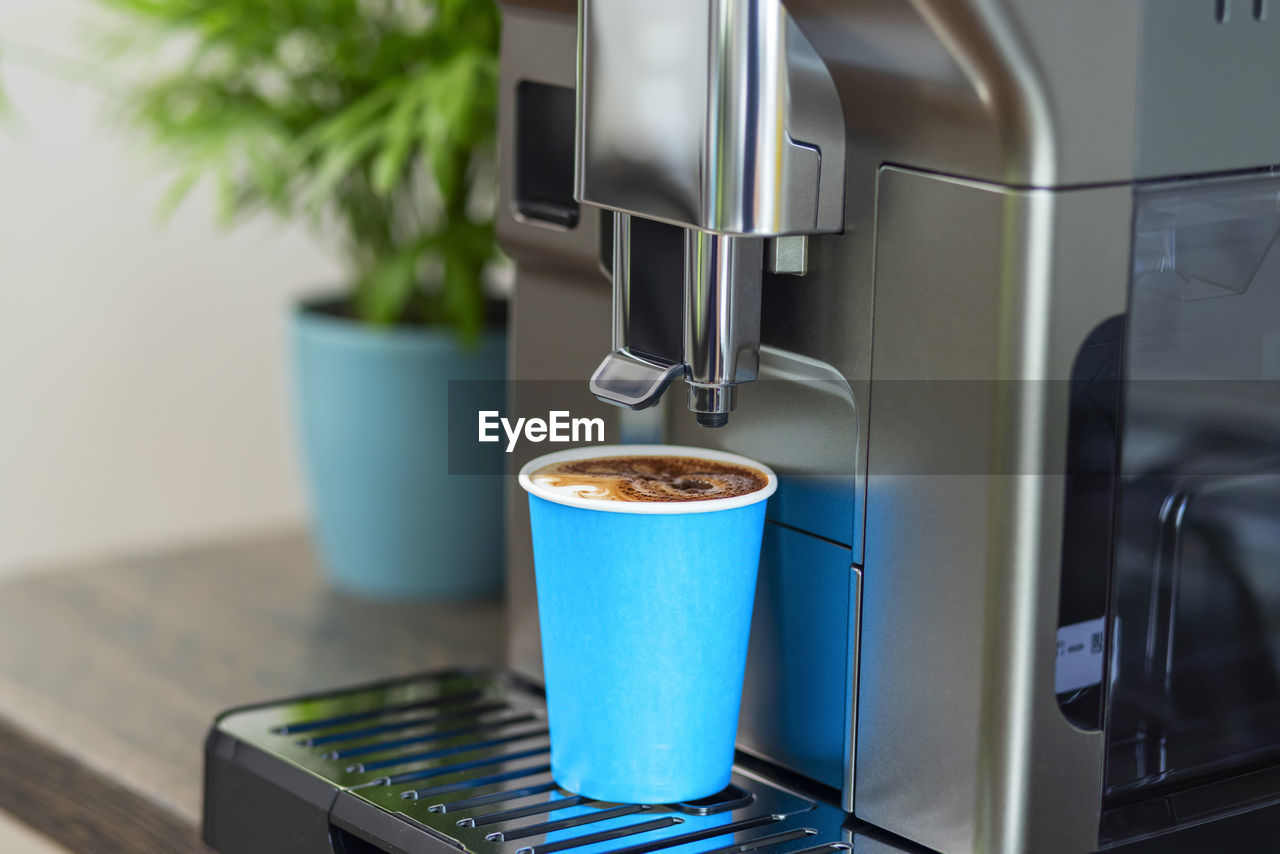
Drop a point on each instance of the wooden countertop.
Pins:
(110, 675)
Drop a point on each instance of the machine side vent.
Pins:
(1222, 9)
(544, 153)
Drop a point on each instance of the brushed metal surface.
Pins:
(1207, 95)
(983, 289)
(947, 85)
(788, 256)
(820, 459)
(538, 45)
(1045, 93)
(560, 317)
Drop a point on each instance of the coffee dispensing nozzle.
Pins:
(720, 117)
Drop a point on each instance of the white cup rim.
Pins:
(646, 508)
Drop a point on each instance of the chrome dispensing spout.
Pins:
(721, 331)
(721, 320)
(718, 116)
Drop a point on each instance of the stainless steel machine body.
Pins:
(1014, 176)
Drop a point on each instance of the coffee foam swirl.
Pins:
(650, 478)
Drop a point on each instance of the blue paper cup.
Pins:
(645, 610)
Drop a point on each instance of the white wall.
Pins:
(143, 365)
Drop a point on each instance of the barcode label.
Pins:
(1080, 657)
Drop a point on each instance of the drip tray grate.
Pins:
(460, 760)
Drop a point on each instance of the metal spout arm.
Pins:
(717, 116)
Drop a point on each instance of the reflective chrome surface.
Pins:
(716, 115)
(721, 320)
(711, 114)
(720, 326)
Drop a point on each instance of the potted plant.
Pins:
(375, 120)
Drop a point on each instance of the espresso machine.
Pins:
(993, 286)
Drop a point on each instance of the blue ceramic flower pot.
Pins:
(372, 412)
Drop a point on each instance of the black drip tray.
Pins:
(458, 761)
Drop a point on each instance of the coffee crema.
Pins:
(650, 478)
